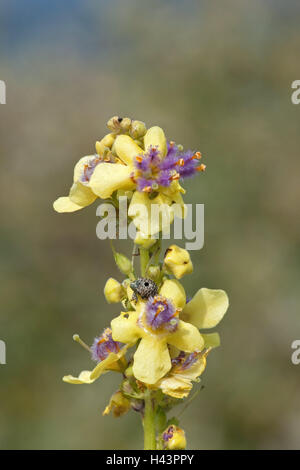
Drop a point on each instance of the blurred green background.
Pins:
(217, 77)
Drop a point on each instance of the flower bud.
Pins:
(114, 124)
(113, 291)
(178, 261)
(123, 263)
(155, 137)
(174, 438)
(119, 125)
(105, 143)
(118, 404)
(138, 129)
(125, 124)
(129, 372)
(153, 272)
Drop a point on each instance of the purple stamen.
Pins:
(152, 170)
(178, 359)
(104, 345)
(161, 314)
(168, 434)
(190, 360)
(185, 361)
(89, 169)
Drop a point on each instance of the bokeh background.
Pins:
(217, 77)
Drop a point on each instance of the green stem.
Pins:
(149, 422)
(144, 254)
(157, 252)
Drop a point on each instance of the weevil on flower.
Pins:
(144, 288)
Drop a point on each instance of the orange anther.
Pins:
(101, 341)
(160, 309)
(201, 167)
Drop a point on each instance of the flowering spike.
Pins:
(158, 319)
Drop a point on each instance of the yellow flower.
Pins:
(177, 261)
(80, 195)
(173, 438)
(113, 291)
(185, 369)
(109, 355)
(205, 310)
(114, 168)
(101, 174)
(156, 323)
(118, 404)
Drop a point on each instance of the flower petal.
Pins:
(127, 149)
(150, 216)
(140, 211)
(125, 329)
(207, 308)
(186, 338)
(193, 372)
(64, 204)
(81, 195)
(173, 193)
(173, 290)
(175, 386)
(211, 340)
(151, 360)
(109, 177)
(79, 167)
(108, 363)
(83, 378)
(155, 137)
